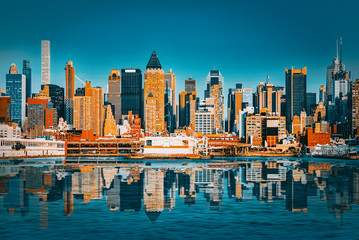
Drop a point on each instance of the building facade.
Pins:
(131, 92)
(70, 80)
(114, 92)
(154, 92)
(26, 70)
(16, 89)
(45, 62)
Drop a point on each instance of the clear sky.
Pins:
(243, 39)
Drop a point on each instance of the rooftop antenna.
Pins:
(267, 81)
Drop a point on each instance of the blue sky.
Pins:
(243, 39)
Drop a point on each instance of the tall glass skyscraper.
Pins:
(45, 62)
(56, 93)
(131, 92)
(16, 89)
(26, 70)
(296, 90)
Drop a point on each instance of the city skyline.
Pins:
(241, 57)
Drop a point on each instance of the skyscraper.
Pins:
(322, 94)
(131, 92)
(56, 93)
(16, 89)
(216, 94)
(355, 107)
(170, 101)
(311, 103)
(268, 97)
(296, 89)
(26, 70)
(190, 85)
(70, 80)
(45, 62)
(235, 99)
(187, 109)
(215, 78)
(154, 96)
(114, 93)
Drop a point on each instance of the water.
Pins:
(244, 198)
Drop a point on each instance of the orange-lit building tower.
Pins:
(114, 92)
(70, 80)
(88, 110)
(354, 118)
(110, 127)
(322, 93)
(5, 109)
(218, 115)
(154, 96)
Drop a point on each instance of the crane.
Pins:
(83, 83)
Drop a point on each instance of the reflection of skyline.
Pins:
(156, 189)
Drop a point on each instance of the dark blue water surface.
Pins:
(241, 198)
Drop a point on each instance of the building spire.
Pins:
(337, 48)
(267, 81)
(341, 54)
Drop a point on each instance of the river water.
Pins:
(224, 198)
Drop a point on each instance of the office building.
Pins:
(187, 109)
(311, 103)
(45, 62)
(131, 92)
(190, 85)
(170, 101)
(235, 100)
(68, 111)
(355, 107)
(154, 92)
(114, 93)
(296, 89)
(110, 127)
(16, 89)
(217, 94)
(247, 98)
(268, 98)
(204, 117)
(5, 109)
(26, 70)
(56, 94)
(70, 80)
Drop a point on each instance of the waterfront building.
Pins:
(190, 85)
(131, 126)
(110, 127)
(268, 97)
(311, 103)
(45, 62)
(26, 70)
(204, 117)
(16, 89)
(11, 130)
(131, 92)
(114, 93)
(154, 88)
(322, 94)
(187, 109)
(296, 89)
(5, 109)
(70, 80)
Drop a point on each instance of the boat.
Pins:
(334, 151)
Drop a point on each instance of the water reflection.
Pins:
(138, 187)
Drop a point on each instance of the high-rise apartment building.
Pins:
(154, 92)
(114, 93)
(131, 92)
(5, 109)
(217, 94)
(235, 100)
(88, 111)
(16, 89)
(355, 107)
(45, 62)
(204, 117)
(296, 89)
(26, 70)
(70, 80)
